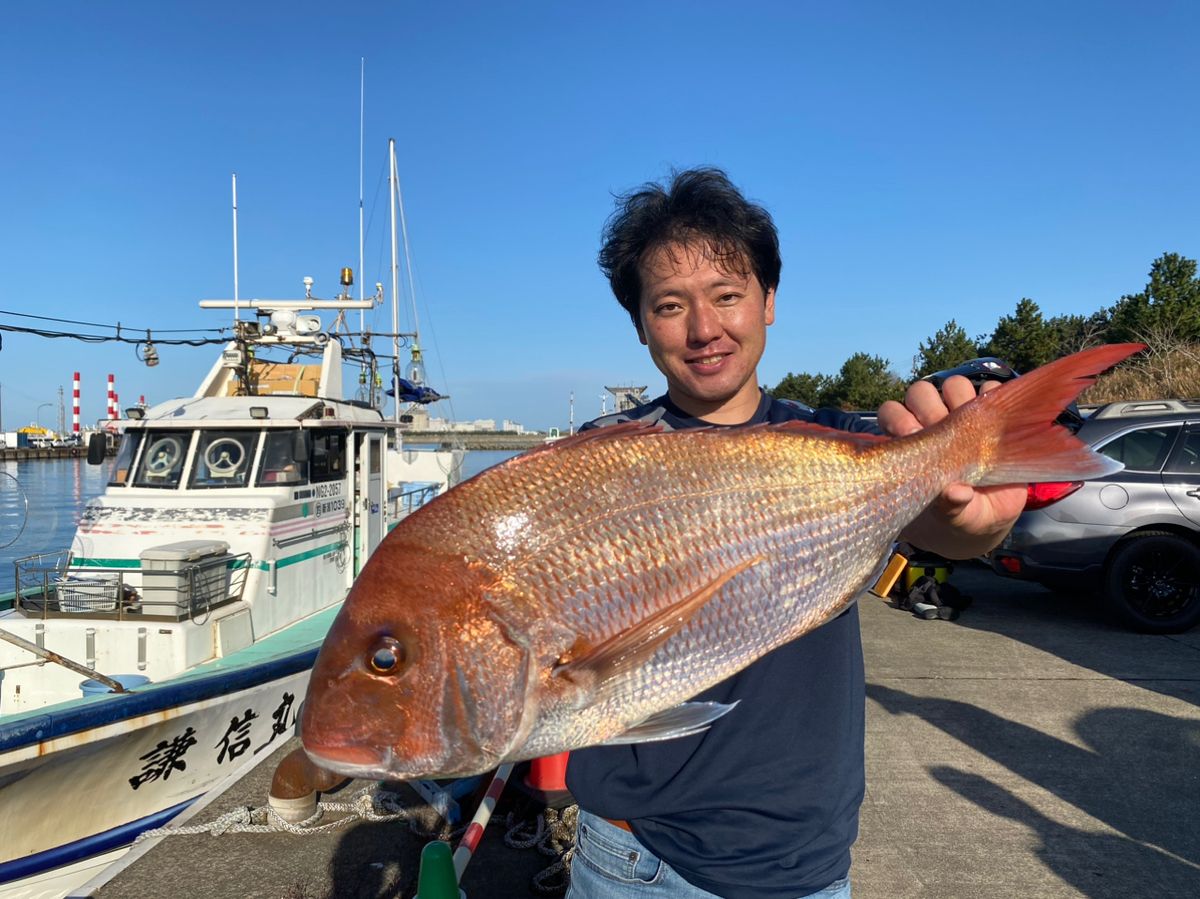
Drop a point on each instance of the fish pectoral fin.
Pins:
(628, 649)
(681, 721)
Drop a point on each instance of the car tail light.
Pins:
(1011, 564)
(1038, 496)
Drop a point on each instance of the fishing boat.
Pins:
(168, 648)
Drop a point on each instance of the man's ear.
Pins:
(769, 313)
(641, 333)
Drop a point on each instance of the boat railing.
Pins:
(408, 497)
(49, 585)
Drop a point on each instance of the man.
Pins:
(764, 804)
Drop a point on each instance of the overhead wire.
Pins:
(118, 327)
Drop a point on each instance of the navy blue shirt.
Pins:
(764, 804)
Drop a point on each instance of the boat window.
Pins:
(162, 459)
(279, 460)
(223, 459)
(374, 465)
(328, 458)
(120, 470)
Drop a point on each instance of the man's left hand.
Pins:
(964, 521)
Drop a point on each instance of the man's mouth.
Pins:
(708, 361)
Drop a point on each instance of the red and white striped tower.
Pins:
(112, 399)
(75, 405)
(116, 405)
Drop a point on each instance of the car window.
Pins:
(1144, 449)
(1187, 457)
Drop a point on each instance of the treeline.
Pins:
(1165, 315)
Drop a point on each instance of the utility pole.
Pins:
(62, 413)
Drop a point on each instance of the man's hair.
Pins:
(700, 209)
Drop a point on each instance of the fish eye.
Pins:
(388, 656)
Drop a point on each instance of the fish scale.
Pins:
(584, 591)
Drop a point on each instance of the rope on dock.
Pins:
(552, 833)
(369, 804)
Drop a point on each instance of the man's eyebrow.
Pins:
(721, 280)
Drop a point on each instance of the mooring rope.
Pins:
(551, 833)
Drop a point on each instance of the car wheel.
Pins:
(1153, 582)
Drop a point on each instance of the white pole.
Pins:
(235, 248)
(393, 186)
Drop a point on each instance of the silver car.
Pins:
(1134, 534)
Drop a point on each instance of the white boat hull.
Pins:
(78, 786)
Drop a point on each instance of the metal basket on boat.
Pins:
(94, 593)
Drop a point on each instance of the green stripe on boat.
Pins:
(135, 564)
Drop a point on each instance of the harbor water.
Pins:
(41, 501)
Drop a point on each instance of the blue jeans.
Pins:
(610, 863)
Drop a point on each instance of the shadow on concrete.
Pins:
(381, 860)
(1096, 864)
(1075, 627)
(1136, 774)
(375, 860)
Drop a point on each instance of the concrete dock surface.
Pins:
(1028, 749)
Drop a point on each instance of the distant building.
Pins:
(627, 397)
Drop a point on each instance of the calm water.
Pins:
(41, 501)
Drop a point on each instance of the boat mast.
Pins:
(235, 258)
(395, 283)
(362, 87)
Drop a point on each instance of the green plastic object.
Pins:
(435, 879)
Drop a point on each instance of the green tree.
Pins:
(947, 348)
(1024, 340)
(1168, 309)
(864, 382)
(1072, 333)
(806, 388)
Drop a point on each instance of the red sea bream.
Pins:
(581, 593)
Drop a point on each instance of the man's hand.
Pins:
(964, 521)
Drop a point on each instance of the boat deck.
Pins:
(304, 636)
(1028, 749)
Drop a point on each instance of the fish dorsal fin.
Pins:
(624, 429)
(625, 651)
(681, 721)
(643, 428)
(860, 439)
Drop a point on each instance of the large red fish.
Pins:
(583, 592)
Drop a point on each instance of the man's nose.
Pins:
(704, 324)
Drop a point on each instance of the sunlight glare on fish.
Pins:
(508, 531)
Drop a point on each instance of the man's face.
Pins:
(706, 327)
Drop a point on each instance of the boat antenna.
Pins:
(392, 185)
(235, 259)
(362, 101)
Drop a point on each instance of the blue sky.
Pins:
(923, 161)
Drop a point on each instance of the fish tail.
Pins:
(1027, 445)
